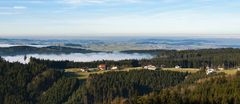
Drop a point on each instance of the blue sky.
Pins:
(120, 17)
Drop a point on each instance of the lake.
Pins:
(79, 57)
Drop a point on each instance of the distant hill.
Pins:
(22, 50)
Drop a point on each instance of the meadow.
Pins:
(76, 72)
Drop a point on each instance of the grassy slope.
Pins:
(190, 70)
(83, 75)
(229, 72)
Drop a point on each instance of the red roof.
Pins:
(102, 66)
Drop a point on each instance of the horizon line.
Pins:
(115, 36)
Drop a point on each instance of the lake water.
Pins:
(79, 57)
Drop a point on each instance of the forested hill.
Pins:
(106, 88)
(152, 52)
(34, 83)
(216, 90)
(23, 50)
(38, 82)
(224, 58)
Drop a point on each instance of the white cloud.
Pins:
(36, 1)
(83, 1)
(77, 2)
(12, 10)
(19, 7)
(133, 1)
(9, 13)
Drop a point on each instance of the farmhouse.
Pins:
(83, 70)
(114, 68)
(220, 68)
(102, 67)
(150, 67)
(162, 66)
(177, 67)
(210, 70)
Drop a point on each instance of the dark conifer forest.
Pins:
(45, 82)
(225, 58)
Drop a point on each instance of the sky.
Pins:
(219, 18)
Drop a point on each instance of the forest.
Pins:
(217, 90)
(225, 58)
(45, 82)
(23, 50)
(105, 88)
(35, 83)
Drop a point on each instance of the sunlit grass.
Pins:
(190, 70)
(230, 71)
(76, 72)
(82, 75)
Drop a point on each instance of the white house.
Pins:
(177, 67)
(102, 67)
(83, 70)
(220, 68)
(209, 71)
(150, 67)
(114, 68)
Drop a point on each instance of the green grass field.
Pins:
(75, 72)
(190, 70)
(230, 71)
(82, 75)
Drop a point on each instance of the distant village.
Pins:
(210, 70)
(104, 67)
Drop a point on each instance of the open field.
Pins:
(75, 72)
(190, 70)
(230, 71)
(83, 75)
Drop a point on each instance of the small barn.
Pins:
(114, 68)
(150, 67)
(210, 70)
(177, 67)
(102, 67)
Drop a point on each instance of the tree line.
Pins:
(40, 81)
(217, 90)
(105, 88)
(216, 58)
(33, 84)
